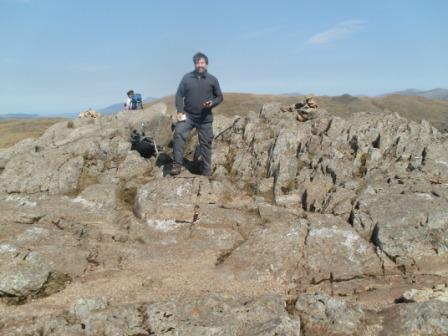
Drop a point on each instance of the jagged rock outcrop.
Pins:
(306, 226)
(69, 152)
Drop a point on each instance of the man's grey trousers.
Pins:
(205, 133)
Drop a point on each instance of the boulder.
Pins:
(216, 314)
(409, 226)
(211, 314)
(25, 274)
(83, 307)
(335, 251)
(167, 200)
(53, 172)
(98, 196)
(419, 318)
(321, 314)
(269, 253)
(440, 293)
(134, 165)
(155, 121)
(316, 249)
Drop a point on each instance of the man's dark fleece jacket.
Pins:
(194, 90)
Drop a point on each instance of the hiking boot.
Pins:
(175, 169)
(196, 167)
(206, 173)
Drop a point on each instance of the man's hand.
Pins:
(208, 104)
(180, 116)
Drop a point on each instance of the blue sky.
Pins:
(65, 56)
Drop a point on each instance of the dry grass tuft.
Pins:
(15, 130)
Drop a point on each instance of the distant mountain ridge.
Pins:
(438, 93)
(435, 94)
(18, 116)
(106, 111)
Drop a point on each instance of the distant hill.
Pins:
(291, 94)
(106, 111)
(438, 93)
(19, 116)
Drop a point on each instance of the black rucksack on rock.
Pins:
(143, 144)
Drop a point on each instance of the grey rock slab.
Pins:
(428, 318)
(24, 274)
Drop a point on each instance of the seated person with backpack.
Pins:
(134, 101)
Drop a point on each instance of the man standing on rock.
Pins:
(197, 94)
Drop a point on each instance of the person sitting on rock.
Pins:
(197, 94)
(134, 101)
(128, 104)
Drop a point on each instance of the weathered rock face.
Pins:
(350, 255)
(69, 152)
(439, 293)
(319, 227)
(133, 166)
(58, 174)
(222, 315)
(401, 214)
(324, 315)
(209, 315)
(319, 248)
(261, 256)
(173, 200)
(25, 274)
(155, 121)
(425, 318)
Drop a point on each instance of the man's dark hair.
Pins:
(130, 93)
(198, 56)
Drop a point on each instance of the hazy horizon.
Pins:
(72, 112)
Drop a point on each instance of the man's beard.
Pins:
(200, 69)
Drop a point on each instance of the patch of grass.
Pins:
(15, 130)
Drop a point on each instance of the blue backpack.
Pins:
(136, 102)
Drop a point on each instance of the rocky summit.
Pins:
(320, 226)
